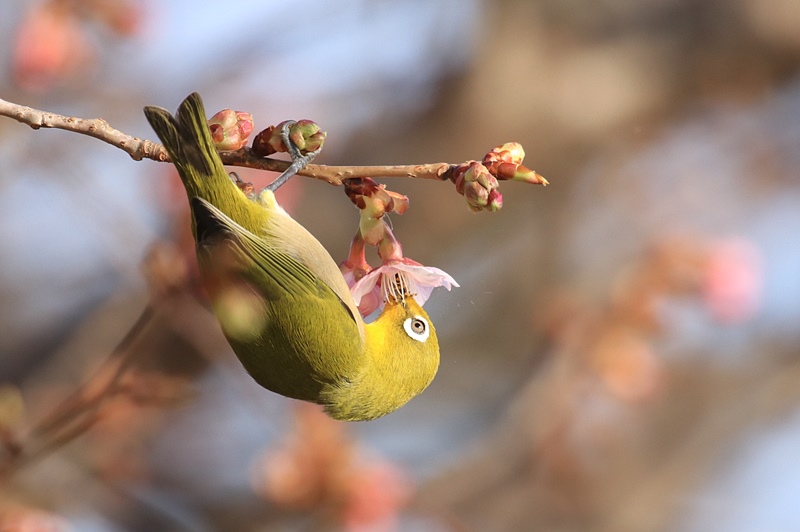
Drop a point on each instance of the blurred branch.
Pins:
(79, 412)
(125, 374)
(554, 448)
(140, 149)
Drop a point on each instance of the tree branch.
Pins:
(98, 128)
(140, 149)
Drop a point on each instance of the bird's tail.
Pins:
(187, 138)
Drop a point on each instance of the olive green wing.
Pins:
(279, 274)
(289, 329)
(286, 235)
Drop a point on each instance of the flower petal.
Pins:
(365, 285)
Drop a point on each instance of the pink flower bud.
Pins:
(478, 186)
(505, 162)
(478, 173)
(262, 143)
(476, 195)
(511, 152)
(305, 134)
(230, 129)
(495, 201)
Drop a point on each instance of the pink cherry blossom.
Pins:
(395, 276)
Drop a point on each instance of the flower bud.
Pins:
(478, 173)
(505, 162)
(502, 161)
(269, 141)
(457, 176)
(495, 202)
(476, 184)
(262, 146)
(477, 196)
(307, 136)
(510, 152)
(230, 129)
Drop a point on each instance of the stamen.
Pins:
(398, 286)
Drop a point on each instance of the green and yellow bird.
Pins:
(306, 338)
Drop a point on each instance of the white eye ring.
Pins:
(417, 328)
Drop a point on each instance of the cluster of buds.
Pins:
(306, 135)
(372, 287)
(478, 182)
(478, 186)
(230, 129)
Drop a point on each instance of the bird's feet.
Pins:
(299, 161)
(244, 186)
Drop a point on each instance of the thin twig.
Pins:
(335, 175)
(140, 149)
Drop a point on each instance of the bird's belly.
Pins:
(299, 352)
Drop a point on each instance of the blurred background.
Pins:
(622, 354)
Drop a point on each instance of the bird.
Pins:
(281, 300)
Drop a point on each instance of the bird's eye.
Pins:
(417, 328)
